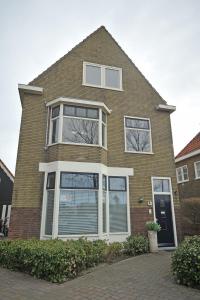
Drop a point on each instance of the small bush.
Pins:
(186, 262)
(136, 245)
(114, 250)
(53, 260)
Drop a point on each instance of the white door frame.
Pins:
(172, 207)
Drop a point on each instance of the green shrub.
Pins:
(114, 250)
(153, 226)
(136, 245)
(186, 262)
(53, 260)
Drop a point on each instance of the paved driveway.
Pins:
(143, 277)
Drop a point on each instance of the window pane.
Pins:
(118, 211)
(103, 135)
(55, 125)
(79, 180)
(185, 173)
(112, 78)
(179, 174)
(80, 131)
(49, 212)
(161, 185)
(137, 123)
(104, 182)
(117, 183)
(69, 110)
(78, 212)
(92, 113)
(81, 112)
(138, 140)
(93, 75)
(51, 180)
(197, 169)
(55, 111)
(103, 117)
(104, 212)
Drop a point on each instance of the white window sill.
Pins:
(77, 144)
(102, 87)
(197, 178)
(182, 181)
(135, 152)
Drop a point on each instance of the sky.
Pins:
(162, 37)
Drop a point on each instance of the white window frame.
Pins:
(60, 126)
(138, 152)
(184, 180)
(103, 76)
(98, 168)
(172, 205)
(195, 168)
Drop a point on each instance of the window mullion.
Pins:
(100, 128)
(60, 124)
(56, 206)
(107, 209)
(100, 205)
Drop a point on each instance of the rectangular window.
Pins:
(117, 204)
(80, 125)
(78, 205)
(197, 169)
(182, 174)
(137, 135)
(54, 127)
(104, 129)
(104, 202)
(102, 76)
(50, 203)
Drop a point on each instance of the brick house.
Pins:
(95, 153)
(188, 179)
(6, 189)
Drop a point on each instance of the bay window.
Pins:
(76, 206)
(78, 125)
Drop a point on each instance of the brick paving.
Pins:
(141, 278)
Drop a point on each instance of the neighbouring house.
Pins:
(95, 155)
(6, 189)
(188, 178)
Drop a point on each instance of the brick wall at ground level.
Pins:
(25, 223)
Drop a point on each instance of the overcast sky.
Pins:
(162, 37)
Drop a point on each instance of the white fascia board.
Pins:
(71, 166)
(166, 107)
(79, 102)
(191, 154)
(30, 89)
(6, 171)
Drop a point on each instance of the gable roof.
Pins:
(6, 170)
(101, 28)
(192, 146)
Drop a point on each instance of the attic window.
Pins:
(102, 76)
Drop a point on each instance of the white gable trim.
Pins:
(30, 89)
(193, 153)
(80, 102)
(166, 107)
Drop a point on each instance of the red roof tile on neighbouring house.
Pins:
(193, 145)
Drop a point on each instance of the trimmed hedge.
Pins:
(186, 262)
(53, 260)
(136, 245)
(57, 260)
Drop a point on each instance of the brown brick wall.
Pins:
(25, 223)
(190, 188)
(139, 217)
(138, 99)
